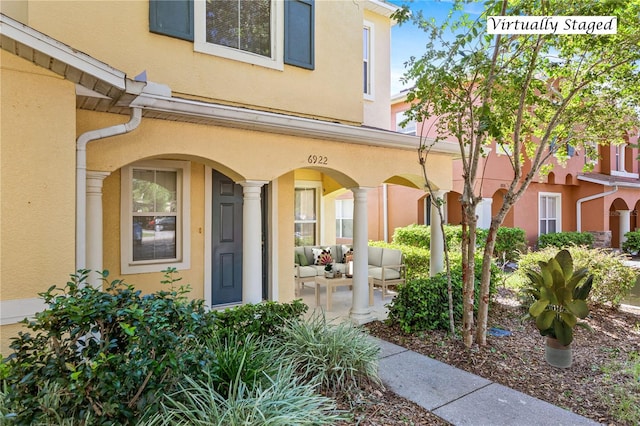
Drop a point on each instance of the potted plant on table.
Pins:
(328, 270)
(559, 300)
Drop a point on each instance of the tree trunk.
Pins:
(469, 225)
(485, 282)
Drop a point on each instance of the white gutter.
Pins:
(589, 198)
(81, 178)
(247, 119)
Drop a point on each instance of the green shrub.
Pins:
(108, 354)
(632, 243)
(565, 239)
(339, 357)
(612, 280)
(510, 242)
(423, 303)
(108, 351)
(284, 400)
(261, 319)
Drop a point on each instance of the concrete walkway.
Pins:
(452, 394)
(463, 398)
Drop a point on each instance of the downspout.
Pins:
(385, 213)
(81, 177)
(589, 198)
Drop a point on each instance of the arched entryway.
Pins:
(619, 221)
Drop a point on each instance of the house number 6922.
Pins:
(317, 159)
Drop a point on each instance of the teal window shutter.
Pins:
(299, 33)
(172, 17)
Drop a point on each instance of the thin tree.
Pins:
(537, 96)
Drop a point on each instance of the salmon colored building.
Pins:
(147, 134)
(604, 201)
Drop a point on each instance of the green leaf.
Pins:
(538, 307)
(545, 320)
(563, 332)
(578, 308)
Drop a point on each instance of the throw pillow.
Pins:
(316, 255)
(302, 260)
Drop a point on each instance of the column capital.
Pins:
(253, 183)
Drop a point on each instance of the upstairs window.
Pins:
(243, 30)
(367, 52)
(261, 32)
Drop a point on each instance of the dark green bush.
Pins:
(632, 243)
(423, 303)
(261, 319)
(510, 242)
(110, 354)
(565, 239)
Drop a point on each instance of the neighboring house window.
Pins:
(503, 149)
(344, 218)
(154, 216)
(620, 158)
(260, 32)
(367, 55)
(409, 128)
(306, 213)
(549, 213)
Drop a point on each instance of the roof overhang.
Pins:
(100, 87)
(610, 180)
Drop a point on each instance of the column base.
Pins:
(362, 317)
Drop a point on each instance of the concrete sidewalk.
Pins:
(463, 398)
(454, 395)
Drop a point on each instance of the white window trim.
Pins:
(183, 219)
(276, 61)
(317, 185)
(372, 60)
(558, 195)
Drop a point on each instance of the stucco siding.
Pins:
(37, 179)
(333, 90)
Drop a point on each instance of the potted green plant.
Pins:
(328, 270)
(559, 301)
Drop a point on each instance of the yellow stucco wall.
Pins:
(37, 175)
(332, 90)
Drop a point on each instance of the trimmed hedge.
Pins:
(510, 242)
(565, 239)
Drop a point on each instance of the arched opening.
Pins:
(498, 199)
(617, 219)
(569, 179)
(551, 178)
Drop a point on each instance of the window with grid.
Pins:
(306, 216)
(366, 55)
(153, 216)
(549, 213)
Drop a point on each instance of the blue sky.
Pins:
(408, 40)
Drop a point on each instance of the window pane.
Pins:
(551, 207)
(305, 208)
(551, 224)
(154, 191)
(543, 227)
(305, 234)
(347, 228)
(543, 207)
(240, 24)
(154, 237)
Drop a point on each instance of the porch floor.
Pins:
(341, 302)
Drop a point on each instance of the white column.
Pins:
(436, 261)
(251, 242)
(94, 241)
(360, 310)
(625, 224)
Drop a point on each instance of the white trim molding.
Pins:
(14, 311)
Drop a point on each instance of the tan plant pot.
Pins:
(557, 355)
